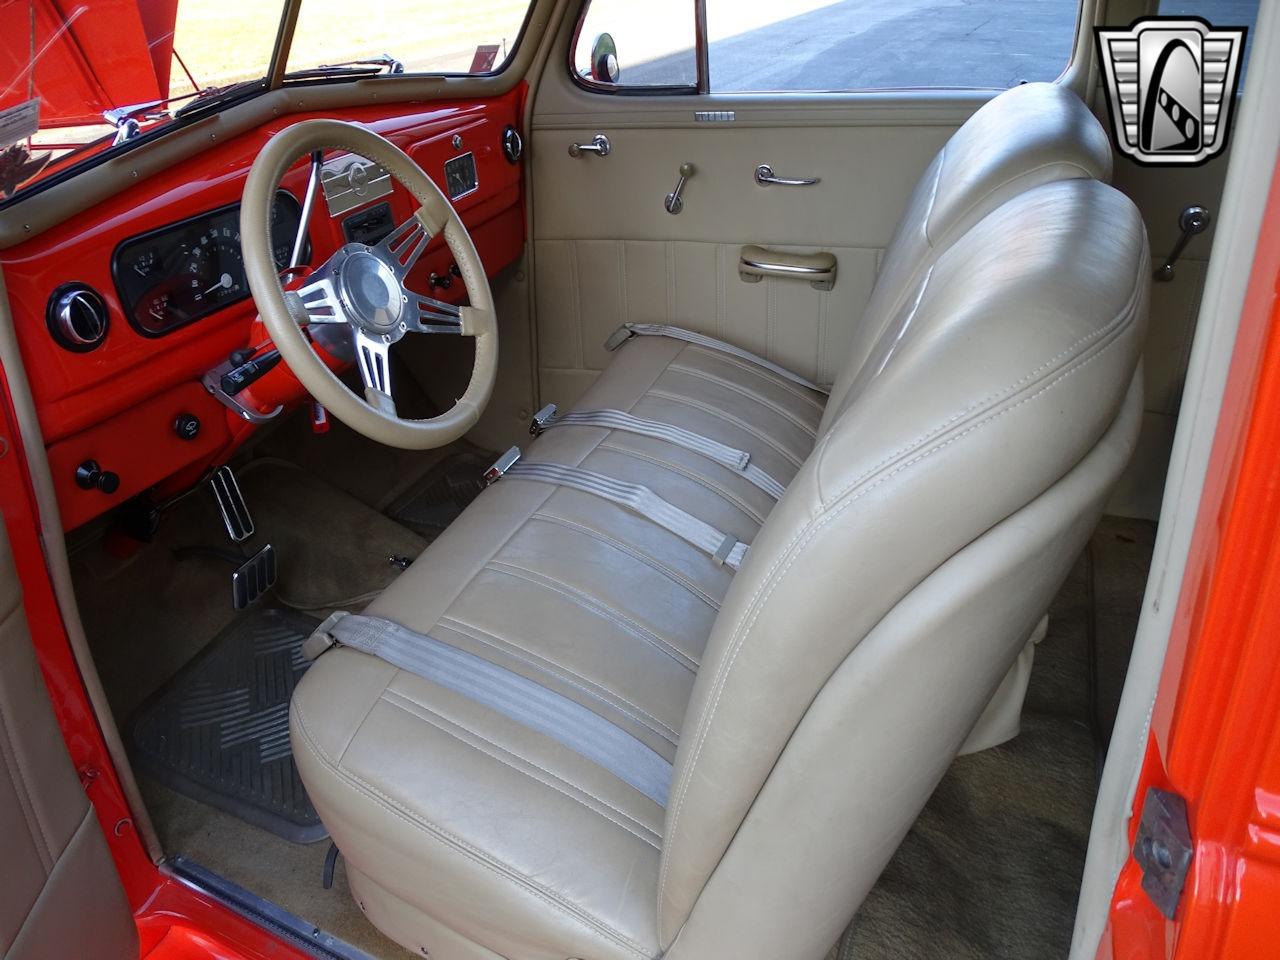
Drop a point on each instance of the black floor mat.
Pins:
(218, 731)
(435, 501)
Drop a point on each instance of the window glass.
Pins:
(421, 36)
(652, 43)
(872, 44)
(1220, 13)
(820, 45)
(142, 64)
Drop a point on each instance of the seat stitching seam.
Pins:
(706, 483)
(502, 870)
(782, 451)
(1003, 184)
(732, 387)
(594, 605)
(761, 373)
(497, 746)
(569, 676)
(779, 569)
(652, 562)
(1113, 326)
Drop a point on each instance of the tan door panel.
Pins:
(608, 252)
(60, 895)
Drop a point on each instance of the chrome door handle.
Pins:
(764, 177)
(755, 263)
(599, 145)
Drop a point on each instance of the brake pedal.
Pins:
(235, 512)
(254, 577)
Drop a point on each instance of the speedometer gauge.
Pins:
(180, 273)
(212, 269)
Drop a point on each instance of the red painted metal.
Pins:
(77, 401)
(91, 57)
(80, 395)
(1215, 733)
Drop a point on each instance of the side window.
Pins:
(821, 46)
(1220, 13)
(623, 44)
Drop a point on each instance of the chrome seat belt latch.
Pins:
(618, 338)
(501, 466)
(542, 419)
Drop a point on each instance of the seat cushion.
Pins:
(460, 812)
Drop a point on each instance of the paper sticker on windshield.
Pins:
(18, 123)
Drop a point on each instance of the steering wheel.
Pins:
(356, 304)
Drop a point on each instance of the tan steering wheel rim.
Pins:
(375, 415)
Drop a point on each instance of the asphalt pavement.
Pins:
(874, 44)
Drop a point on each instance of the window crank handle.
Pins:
(675, 199)
(1191, 221)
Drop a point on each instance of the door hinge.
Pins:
(1163, 848)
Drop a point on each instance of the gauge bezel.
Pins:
(129, 304)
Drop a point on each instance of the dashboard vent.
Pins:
(512, 145)
(77, 317)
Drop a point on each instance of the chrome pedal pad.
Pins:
(235, 512)
(254, 577)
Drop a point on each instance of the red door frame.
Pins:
(1215, 730)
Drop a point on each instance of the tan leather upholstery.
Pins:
(59, 893)
(811, 701)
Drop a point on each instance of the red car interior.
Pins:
(117, 405)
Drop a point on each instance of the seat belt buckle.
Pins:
(542, 419)
(321, 638)
(501, 466)
(618, 338)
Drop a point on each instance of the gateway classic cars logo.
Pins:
(1171, 86)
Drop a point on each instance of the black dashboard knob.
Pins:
(187, 426)
(90, 476)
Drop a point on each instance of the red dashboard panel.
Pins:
(113, 404)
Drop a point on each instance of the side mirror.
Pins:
(604, 59)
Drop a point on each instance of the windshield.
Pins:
(77, 78)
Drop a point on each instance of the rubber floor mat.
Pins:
(435, 501)
(218, 731)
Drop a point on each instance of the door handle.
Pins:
(599, 145)
(765, 177)
(755, 263)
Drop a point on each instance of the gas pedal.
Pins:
(254, 577)
(235, 512)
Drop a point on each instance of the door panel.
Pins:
(60, 895)
(608, 252)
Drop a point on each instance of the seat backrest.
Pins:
(944, 505)
(1032, 134)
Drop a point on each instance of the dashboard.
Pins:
(181, 273)
(123, 311)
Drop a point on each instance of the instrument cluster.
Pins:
(181, 273)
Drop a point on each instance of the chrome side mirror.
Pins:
(604, 59)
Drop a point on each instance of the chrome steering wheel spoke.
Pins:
(425, 314)
(373, 357)
(319, 297)
(401, 248)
